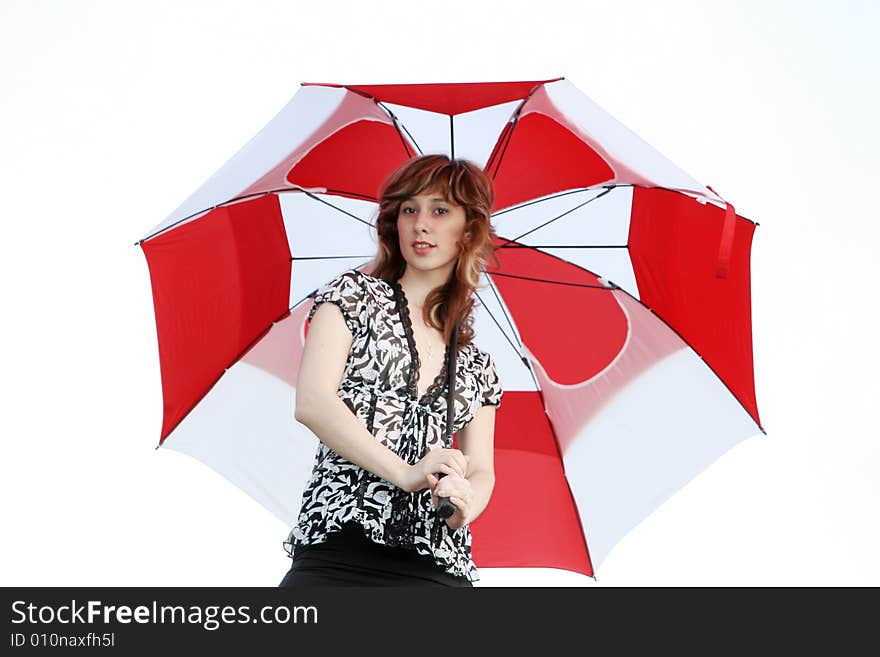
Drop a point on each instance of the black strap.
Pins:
(450, 384)
(447, 508)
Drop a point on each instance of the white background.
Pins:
(112, 113)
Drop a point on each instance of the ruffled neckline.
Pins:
(439, 383)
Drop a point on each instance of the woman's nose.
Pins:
(421, 219)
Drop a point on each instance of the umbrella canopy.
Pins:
(619, 318)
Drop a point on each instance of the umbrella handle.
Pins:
(445, 508)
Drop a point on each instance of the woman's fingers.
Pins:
(447, 469)
(450, 469)
(457, 460)
(448, 461)
(456, 464)
(453, 488)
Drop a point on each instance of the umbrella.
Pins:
(619, 317)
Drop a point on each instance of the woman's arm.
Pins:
(477, 442)
(320, 409)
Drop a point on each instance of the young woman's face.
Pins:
(429, 218)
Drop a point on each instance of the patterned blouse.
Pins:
(380, 388)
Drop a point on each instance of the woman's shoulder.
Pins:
(475, 355)
(372, 285)
(372, 281)
(369, 278)
(357, 278)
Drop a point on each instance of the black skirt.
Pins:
(349, 558)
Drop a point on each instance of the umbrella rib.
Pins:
(345, 212)
(524, 360)
(503, 332)
(566, 246)
(205, 210)
(608, 187)
(613, 287)
(312, 293)
(343, 192)
(497, 165)
(514, 119)
(398, 125)
(677, 190)
(554, 196)
(415, 143)
(285, 190)
(550, 221)
(501, 305)
(691, 347)
(336, 257)
(547, 280)
(234, 361)
(451, 138)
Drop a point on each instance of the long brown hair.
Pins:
(461, 182)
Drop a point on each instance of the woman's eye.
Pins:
(441, 210)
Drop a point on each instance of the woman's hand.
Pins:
(447, 461)
(458, 490)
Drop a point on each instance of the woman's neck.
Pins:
(417, 285)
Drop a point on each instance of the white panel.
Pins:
(503, 342)
(301, 117)
(477, 132)
(318, 229)
(429, 130)
(603, 221)
(244, 429)
(612, 264)
(621, 143)
(640, 430)
(598, 220)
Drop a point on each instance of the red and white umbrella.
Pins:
(619, 319)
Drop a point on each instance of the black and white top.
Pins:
(380, 388)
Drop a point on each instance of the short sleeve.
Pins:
(345, 291)
(490, 383)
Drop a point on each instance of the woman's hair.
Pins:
(461, 182)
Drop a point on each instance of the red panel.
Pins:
(577, 331)
(449, 98)
(218, 283)
(674, 245)
(353, 161)
(531, 520)
(542, 158)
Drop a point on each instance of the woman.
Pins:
(373, 386)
